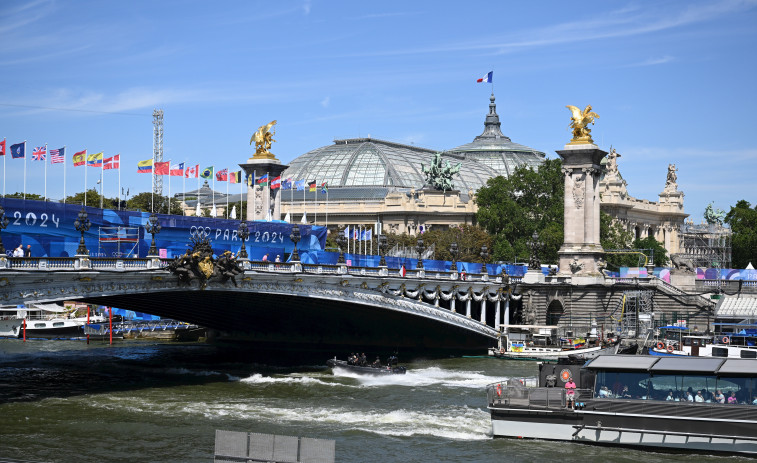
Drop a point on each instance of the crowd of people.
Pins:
(688, 395)
(20, 251)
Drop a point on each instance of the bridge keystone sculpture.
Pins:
(198, 264)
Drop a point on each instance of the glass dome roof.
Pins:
(497, 151)
(365, 162)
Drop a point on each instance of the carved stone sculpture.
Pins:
(438, 175)
(680, 262)
(197, 264)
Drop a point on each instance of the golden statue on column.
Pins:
(263, 137)
(579, 122)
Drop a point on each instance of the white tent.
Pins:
(304, 220)
(750, 266)
(214, 212)
(233, 212)
(198, 212)
(287, 219)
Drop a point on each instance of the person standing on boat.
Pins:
(719, 397)
(570, 393)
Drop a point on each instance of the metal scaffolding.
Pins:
(157, 149)
(708, 245)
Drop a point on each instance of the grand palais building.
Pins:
(375, 181)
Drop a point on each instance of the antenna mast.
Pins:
(157, 149)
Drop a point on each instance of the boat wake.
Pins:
(432, 376)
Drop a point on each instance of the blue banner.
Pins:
(49, 228)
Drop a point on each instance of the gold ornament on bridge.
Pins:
(579, 122)
(263, 138)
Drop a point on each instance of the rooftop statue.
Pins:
(612, 162)
(713, 216)
(438, 175)
(579, 122)
(263, 138)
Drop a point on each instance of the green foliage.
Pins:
(742, 219)
(20, 195)
(612, 236)
(93, 199)
(147, 202)
(469, 239)
(512, 209)
(660, 254)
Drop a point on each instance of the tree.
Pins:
(511, 209)
(20, 195)
(469, 239)
(93, 199)
(147, 202)
(742, 219)
(612, 236)
(660, 253)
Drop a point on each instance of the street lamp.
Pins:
(82, 224)
(3, 225)
(295, 237)
(340, 241)
(484, 254)
(244, 232)
(534, 263)
(153, 227)
(453, 250)
(420, 249)
(382, 250)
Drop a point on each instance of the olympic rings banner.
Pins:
(49, 228)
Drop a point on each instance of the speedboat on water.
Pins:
(649, 402)
(391, 369)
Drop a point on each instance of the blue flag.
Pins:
(286, 184)
(18, 150)
(299, 185)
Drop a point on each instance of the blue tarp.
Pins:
(49, 228)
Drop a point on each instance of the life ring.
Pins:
(502, 350)
(565, 375)
(726, 340)
(661, 345)
(499, 390)
(670, 348)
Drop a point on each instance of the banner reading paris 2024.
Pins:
(49, 228)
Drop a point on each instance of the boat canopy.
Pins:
(675, 365)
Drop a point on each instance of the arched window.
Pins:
(555, 311)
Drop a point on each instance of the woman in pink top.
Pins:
(732, 398)
(570, 392)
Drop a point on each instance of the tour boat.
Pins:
(43, 321)
(740, 344)
(540, 342)
(666, 403)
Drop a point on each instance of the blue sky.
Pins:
(672, 81)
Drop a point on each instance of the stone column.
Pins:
(581, 251)
(265, 199)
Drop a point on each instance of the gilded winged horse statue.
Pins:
(263, 139)
(579, 122)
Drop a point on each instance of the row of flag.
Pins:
(58, 156)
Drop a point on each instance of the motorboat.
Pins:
(734, 344)
(390, 369)
(691, 404)
(541, 342)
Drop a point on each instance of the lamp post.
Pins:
(295, 237)
(484, 254)
(420, 247)
(453, 250)
(82, 224)
(243, 232)
(534, 263)
(3, 225)
(382, 250)
(340, 241)
(153, 227)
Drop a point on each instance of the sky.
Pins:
(672, 81)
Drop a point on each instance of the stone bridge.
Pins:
(291, 306)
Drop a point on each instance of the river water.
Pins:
(66, 401)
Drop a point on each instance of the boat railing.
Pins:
(509, 394)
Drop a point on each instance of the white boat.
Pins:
(43, 321)
(540, 342)
(727, 345)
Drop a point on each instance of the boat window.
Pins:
(684, 388)
(738, 390)
(620, 384)
(56, 324)
(39, 325)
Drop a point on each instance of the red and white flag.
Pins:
(402, 271)
(177, 170)
(113, 162)
(192, 172)
(276, 183)
(39, 153)
(57, 156)
(2, 148)
(222, 175)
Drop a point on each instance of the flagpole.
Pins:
(102, 179)
(213, 192)
(327, 208)
(86, 161)
(118, 192)
(45, 161)
(315, 204)
(254, 185)
(169, 187)
(184, 186)
(241, 195)
(152, 194)
(64, 174)
(268, 203)
(304, 202)
(5, 145)
(198, 185)
(25, 169)
(227, 193)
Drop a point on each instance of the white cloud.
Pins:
(651, 62)
(325, 102)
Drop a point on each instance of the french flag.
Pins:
(487, 78)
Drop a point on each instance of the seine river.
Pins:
(66, 401)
